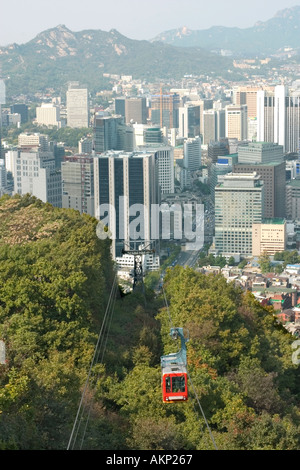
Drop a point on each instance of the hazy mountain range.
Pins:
(283, 30)
(58, 55)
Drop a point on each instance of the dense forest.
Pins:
(56, 278)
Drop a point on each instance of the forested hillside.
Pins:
(55, 284)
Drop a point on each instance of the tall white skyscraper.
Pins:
(77, 106)
(192, 154)
(238, 205)
(281, 92)
(278, 117)
(265, 116)
(164, 155)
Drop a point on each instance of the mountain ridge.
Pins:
(53, 56)
(242, 40)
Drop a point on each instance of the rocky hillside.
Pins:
(59, 55)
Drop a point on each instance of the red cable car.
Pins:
(174, 372)
(174, 384)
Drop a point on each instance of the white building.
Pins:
(48, 115)
(77, 106)
(278, 117)
(238, 205)
(2, 92)
(35, 173)
(150, 262)
(260, 152)
(30, 141)
(192, 154)
(10, 157)
(164, 155)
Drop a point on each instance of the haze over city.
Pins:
(135, 19)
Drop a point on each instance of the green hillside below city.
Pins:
(56, 279)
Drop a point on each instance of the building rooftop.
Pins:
(294, 183)
(260, 164)
(274, 220)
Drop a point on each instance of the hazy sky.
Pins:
(22, 20)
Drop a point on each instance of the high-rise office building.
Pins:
(164, 109)
(3, 178)
(21, 109)
(120, 106)
(164, 155)
(293, 199)
(265, 115)
(238, 205)
(209, 126)
(77, 106)
(220, 124)
(213, 125)
(189, 121)
(192, 154)
(267, 160)
(236, 119)
(106, 132)
(260, 152)
(126, 186)
(35, 173)
(2, 101)
(85, 145)
(278, 117)
(222, 166)
(217, 149)
(153, 135)
(273, 177)
(247, 95)
(77, 173)
(204, 104)
(136, 110)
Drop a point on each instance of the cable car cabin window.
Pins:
(168, 385)
(178, 384)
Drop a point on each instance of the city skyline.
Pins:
(33, 16)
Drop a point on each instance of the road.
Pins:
(188, 258)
